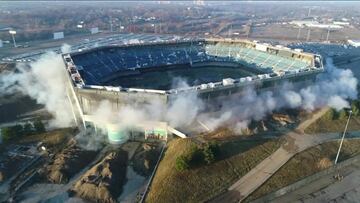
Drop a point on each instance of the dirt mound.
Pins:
(103, 182)
(68, 162)
(145, 158)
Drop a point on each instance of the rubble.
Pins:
(68, 162)
(104, 181)
(283, 119)
(145, 158)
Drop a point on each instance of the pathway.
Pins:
(295, 142)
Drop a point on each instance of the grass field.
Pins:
(205, 182)
(323, 125)
(305, 164)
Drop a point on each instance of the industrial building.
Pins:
(136, 74)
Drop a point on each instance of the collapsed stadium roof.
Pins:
(93, 68)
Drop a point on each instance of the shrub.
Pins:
(182, 163)
(330, 115)
(343, 114)
(28, 129)
(198, 156)
(195, 155)
(209, 155)
(7, 133)
(211, 152)
(11, 132)
(355, 107)
(18, 130)
(39, 126)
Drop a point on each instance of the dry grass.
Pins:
(204, 182)
(323, 125)
(307, 163)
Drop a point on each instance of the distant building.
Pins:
(315, 24)
(199, 2)
(58, 35)
(94, 30)
(341, 23)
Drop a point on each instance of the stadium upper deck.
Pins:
(96, 67)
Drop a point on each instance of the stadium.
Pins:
(212, 68)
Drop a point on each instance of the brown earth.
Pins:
(104, 181)
(145, 158)
(68, 162)
(1, 176)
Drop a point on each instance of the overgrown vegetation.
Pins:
(182, 163)
(18, 131)
(307, 163)
(334, 121)
(207, 153)
(202, 182)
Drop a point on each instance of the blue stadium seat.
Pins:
(105, 62)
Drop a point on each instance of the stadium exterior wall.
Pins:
(87, 98)
(90, 99)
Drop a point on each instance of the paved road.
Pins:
(327, 189)
(295, 142)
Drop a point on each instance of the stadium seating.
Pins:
(101, 63)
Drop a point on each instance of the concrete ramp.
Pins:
(176, 132)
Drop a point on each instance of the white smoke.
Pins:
(44, 81)
(240, 126)
(65, 48)
(91, 140)
(332, 88)
(181, 112)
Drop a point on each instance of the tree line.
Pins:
(332, 114)
(18, 130)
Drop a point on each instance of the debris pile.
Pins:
(68, 162)
(104, 181)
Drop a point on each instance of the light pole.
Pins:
(111, 24)
(342, 139)
(13, 33)
(328, 34)
(154, 26)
